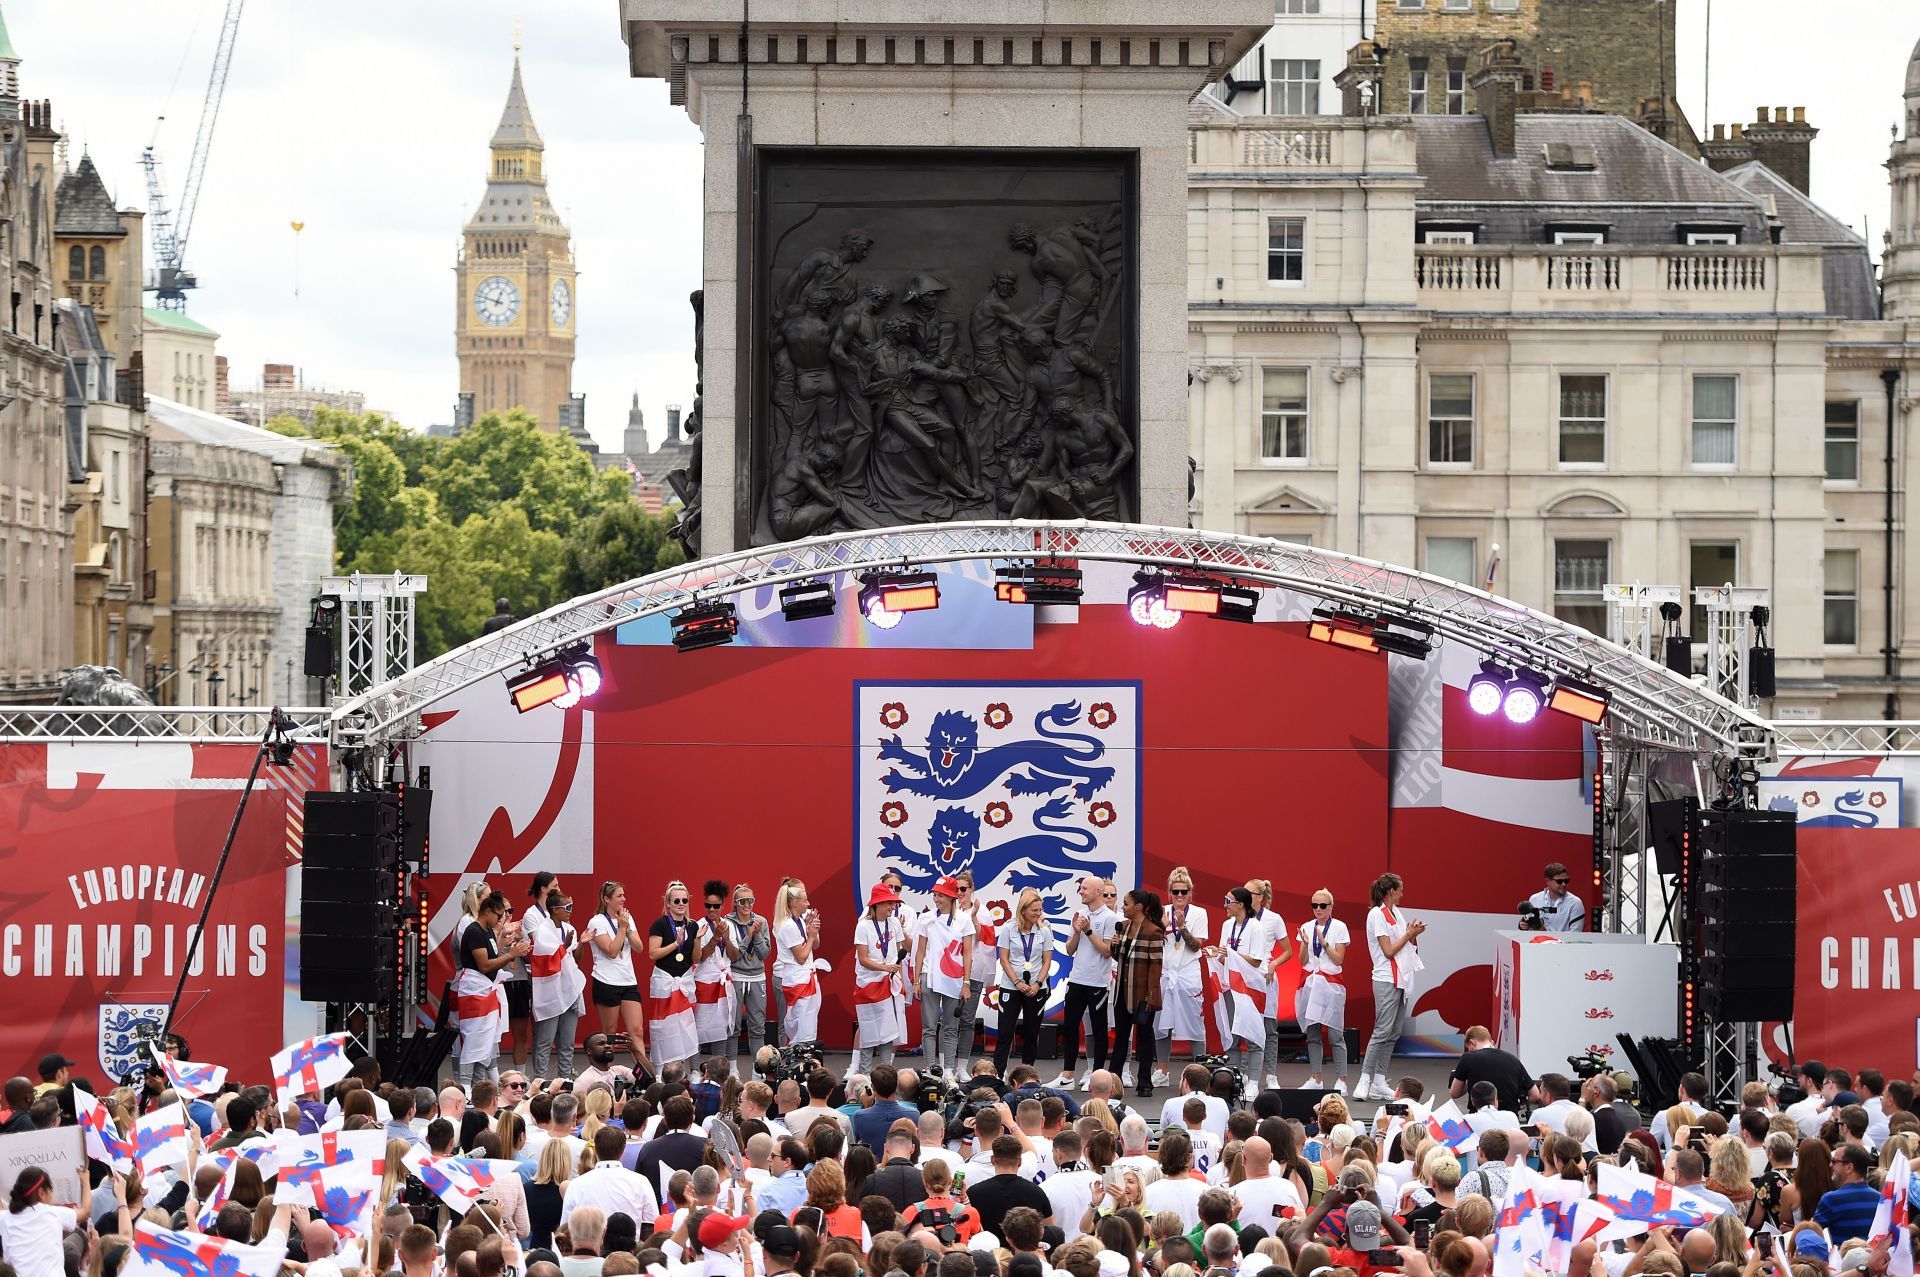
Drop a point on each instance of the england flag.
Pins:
(1891, 1216)
(1242, 998)
(1633, 1195)
(310, 1165)
(104, 1141)
(160, 1139)
(161, 1252)
(1534, 1218)
(309, 1067)
(1448, 1125)
(193, 1081)
(458, 1181)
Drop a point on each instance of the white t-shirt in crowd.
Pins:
(1382, 926)
(1071, 1192)
(1215, 1122)
(1206, 1154)
(616, 970)
(1261, 1200)
(1335, 934)
(1178, 957)
(1181, 1196)
(1091, 967)
(31, 1239)
(1554, 1117)
(1024, 949)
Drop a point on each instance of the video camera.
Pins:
(1530, 918)
(1782, 1088)
(963, 1108)
(797, 1061)
(936, 1092)
(1588, 1065)
(1221, 1064)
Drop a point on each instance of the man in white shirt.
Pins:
(1693, 1094)
(1195, 1080)
(1178, 1189)
(1262, 1194)
(611, 1186)
(933, 1141)
(1133, 1143)
(1873, 1087)
(1552, 1093)
(1089, 979)
(1560, 909)
(1070, 1187)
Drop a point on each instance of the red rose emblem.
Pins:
(1101, 814)
(893, 815)
(893, 715)
(1811, 798)
(998, 814)
(1876, 799)
(1101, 715)
(998, 715)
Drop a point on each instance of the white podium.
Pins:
(1561, 994)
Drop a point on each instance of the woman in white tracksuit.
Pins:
(1321, 1002)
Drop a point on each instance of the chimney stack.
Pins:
(1495, 86)
(1784, 144)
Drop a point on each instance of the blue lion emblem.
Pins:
(1053, 854)
(1851, 810)
(954, 766)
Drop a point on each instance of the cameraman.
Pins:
(1560, 909)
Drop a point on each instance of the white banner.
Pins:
(59, 1152)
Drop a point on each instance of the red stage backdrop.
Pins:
(109, 853)
(1857, 948)
(1260, 753)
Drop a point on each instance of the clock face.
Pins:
(562, 303)
(496, 301)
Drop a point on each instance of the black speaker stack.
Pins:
(350, 888)
(1745, 899)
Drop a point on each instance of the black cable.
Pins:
(275, 723)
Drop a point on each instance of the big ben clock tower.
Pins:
(515, 300)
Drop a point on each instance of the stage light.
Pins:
(886, 597)
(1525, 695)
(1238, 603)
(1406, 638)
(1343, 629)
(1583, 701)
(1036, 583)
(565, 678)
(707, 624)
(804, 600)
(1487, 689)
(1192, 596)
(583, 679)
(1147, 601)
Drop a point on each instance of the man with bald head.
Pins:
(1262, 1194)
(1697, 1250)
(318, 1237)
(453, 1104)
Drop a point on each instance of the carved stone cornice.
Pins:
(1232, 372)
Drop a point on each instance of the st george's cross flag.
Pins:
(161, 1252)
(104, 1141)
(458, 1181)
(1532, 1217)
(312, 1164)
(262, 1153)
(1634, 1195)
(194, 1081)
(1241, 1005)
(160, 1140)
(309, 1067)
(1893, 1214)
(1448, 1125)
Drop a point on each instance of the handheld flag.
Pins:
(161, 1252)
(1633, 1195)
(194, 1081)
(310, 1165)
(1891, 1216)
(160, 1140)
(309, 1067)
(457, 1181)
(104, 1141)
(1448, 1125)
(1534, 1216)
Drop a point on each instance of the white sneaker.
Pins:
(1161, 1078)
(1360, 1087)
(1126, 1076)
(1273, 1082)
(1341, 1086)
(1313, 1084)
(1064, 1082)
(1086, 1080)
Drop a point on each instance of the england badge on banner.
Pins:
(1028, 784)
(126, 1029)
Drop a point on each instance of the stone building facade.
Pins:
(37, 479)
(1290, 71)
(1417, 337)
(178, 357)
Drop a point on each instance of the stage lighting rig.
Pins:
(1160, 601)
(1488, 688)
(565, 678)
(1582, 700)
(704, 624)
(1147, 601)
(804, 600)
(1044, 581)
(1405, 638)
(1525, 696)
(1350, 630)
(886, 597)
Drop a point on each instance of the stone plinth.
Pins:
(1026, 92)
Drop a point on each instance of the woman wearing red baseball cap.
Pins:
(879, 952)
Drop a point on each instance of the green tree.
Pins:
(620, 543)
(507, 458)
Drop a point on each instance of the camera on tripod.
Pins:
(779, 1063)
(1782, 1088)
(1592, 1064)
(1217, 1064)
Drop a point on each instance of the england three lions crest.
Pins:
(125, 1028)
(1023, 784)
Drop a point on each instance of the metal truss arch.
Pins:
(1652, 705)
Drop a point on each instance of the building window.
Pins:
(1447, 237)
(1456, 87)
(99, 258)
(1710, 564)
(1458, 6)
(113, 476)
(1286, 250)
(1296, 86)
(1294, 538)
(1455, 558)
(1416, 85)
(76, 262)
(1712, 237)
(1579, 237)
(1842, 597)
(1450, 419)
(1283, 414)
(1583, 420)
(1843, 442)
(1506, 6)
(1580, 571)
(1297, 6)
(1715, 404)
(1412, 4)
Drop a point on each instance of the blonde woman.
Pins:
(612, 938)
(879, 950)
(985, 967)
(796, 938)
(1179, 1018)
(671, 940)
(1026, 956)
(943, 957)
(546, 1195)
(1279, 952)
(1321, 1003)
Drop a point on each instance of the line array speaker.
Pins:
(1748, 897)
(349, 921)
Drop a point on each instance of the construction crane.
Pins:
(171, 278)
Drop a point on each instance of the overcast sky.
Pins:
(369, 123)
